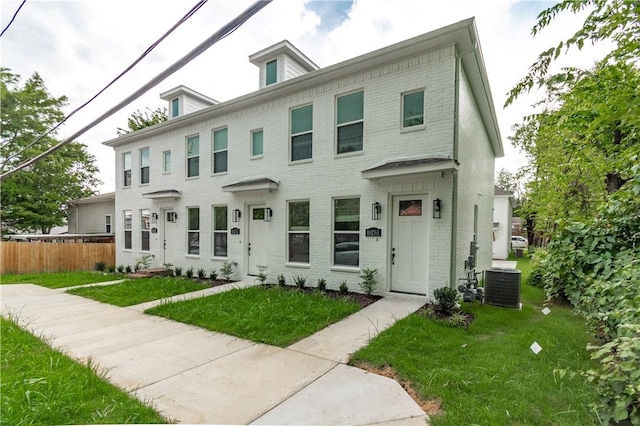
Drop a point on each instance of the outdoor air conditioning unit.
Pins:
(502, 287)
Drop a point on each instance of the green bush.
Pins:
(226, 270)
(445, 299)
(213, 275)
(201, 273)
(322, 284)
(282, 281)
(369, 282)
(300, 281)
(344, 288)
(178, 271)
(100, 266)
(189, 272)
(120, 269)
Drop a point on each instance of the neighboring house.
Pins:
(516, 226)
(383, 161)
(92, 215)
(503, 204)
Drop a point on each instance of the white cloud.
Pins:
(78, 46)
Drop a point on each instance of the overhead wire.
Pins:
(182, 20)
(13, 18)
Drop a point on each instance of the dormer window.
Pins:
(272, 72)
(175, 107)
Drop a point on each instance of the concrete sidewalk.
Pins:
(195, 376)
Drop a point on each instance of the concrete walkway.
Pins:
(195, 376)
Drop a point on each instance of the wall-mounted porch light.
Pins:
(376, 211)
(437, 208)
(267, 214)
(154, 217)
(237, 214)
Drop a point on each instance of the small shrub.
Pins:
(201, 273)
(369, 281)
(457, 319)
(322, 284)
(143, 262)
(128, 269)
(344, 288)
(213, 275)
(112, 269)
(262, 277)
(168, 270)
(189, 272)
(282, 280)
(445, 299)
(226, 270)
(300, 281)
(120, 269)
(178, 271)
(100, 266)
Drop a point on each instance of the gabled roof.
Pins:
(184, 90)
(100, 198)
(463, 35)
(279, 48)
(499, 191)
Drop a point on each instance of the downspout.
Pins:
(454, 178)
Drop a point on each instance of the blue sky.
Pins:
(332, 12)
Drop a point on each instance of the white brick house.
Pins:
(295, 175)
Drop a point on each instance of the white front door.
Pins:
(257, 234)
(409, 256)
(168, 225)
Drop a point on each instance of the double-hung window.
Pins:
(128, 218)
(107, 224)
(346, 232)
(220, 231)
(299, 231)
(271, 72)
(145, 227)
(257, 143)
(126, 169)
(144, 166)
(301, 133)
(193, 230)
(193, 156)
(413, 109)
(166, 162)
(175, 107)
(350, 122)
(220, 153)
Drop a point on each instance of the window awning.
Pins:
(394, 168)
(166, 194)
(253, 184)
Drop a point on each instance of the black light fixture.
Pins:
(437, 208)
(376, 211)
(237, 214)
(267, 214)
(154, 217)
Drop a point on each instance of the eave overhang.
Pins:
(163, 195)
(253, 184)
(412, 167)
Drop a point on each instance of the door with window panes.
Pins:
(256, 250)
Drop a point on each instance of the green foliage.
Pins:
(143, 262)
(128, 269)
(322, 284)
(227, 270)
(111, 269)
(282, 281)
(178, 270)
(262, 277)
(139, 120)
(213, 275)
(100, 266)
(57, 279)
(344, 288)
(300, 281)
(120, 269)
(202, 274)
(445, 299)
(33, 199)
(369, 282)
(189, 272)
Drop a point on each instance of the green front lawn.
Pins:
(59, 279)
(40, 386)
(487, 374)
(139, 290)
(271, 315)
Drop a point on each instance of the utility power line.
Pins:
(198, 50)
(13, 18)
(182, 20)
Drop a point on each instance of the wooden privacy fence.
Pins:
(25, 257)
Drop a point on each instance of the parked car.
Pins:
(518, 242)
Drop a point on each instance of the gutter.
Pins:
(454, 178)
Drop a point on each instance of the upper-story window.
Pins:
(144, 165)
(220, 155)
(126, 169)
(193, 156)
(413, 109)
(302, 133)
(272, 72)
(350, 122)
(166, 162)
(257, 143)
(175, 107)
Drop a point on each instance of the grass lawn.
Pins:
(40, 386)
(269, 315)
(139, 290)
(487, 374)
(59, 279)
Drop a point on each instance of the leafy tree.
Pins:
(139, 120)
(33, 199)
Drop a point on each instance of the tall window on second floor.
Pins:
(350, 117)
(144, 166)
(302, 133)
(413, 109)
(272, 72)
(220, 143)
(257, 143)
(128, 218)
(126, 169)
(193, 230)
(193, 156)
(145, 228)
(166, 162)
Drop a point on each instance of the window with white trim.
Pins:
(346, 231)
(220, 153)
(257, 143)
(166, 162)
(350, 122)
(271, 74)
(298, 231)
(144, 166)
(175, 107)
(220, 228)
(145, 228)
(302, 133)
(126, 169)
(193, 156)
(107, 224)
(413, 109)
(193, 230)
(128, 226)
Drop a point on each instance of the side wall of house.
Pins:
(90, 218)
(502, 234)
(475, 183)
